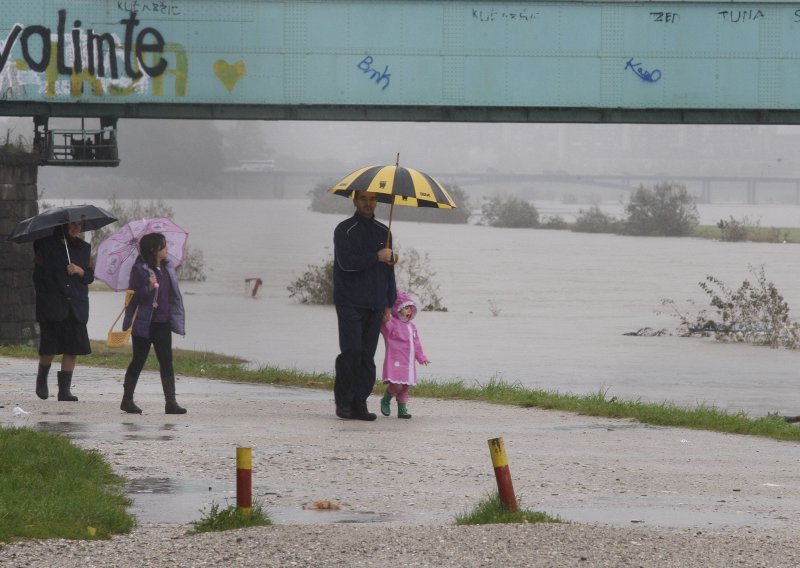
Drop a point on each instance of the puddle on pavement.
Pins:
(161, 500)
(128, 430)
(166, 501)
(68, 429)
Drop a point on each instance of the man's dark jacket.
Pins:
(360, 280)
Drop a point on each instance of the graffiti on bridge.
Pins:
(109, 63)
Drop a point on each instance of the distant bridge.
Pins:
(275, 183)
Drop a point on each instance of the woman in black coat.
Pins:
(61, 282)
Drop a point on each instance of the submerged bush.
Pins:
(413, 274)
(738, 230)
(510, 212)
(593, 220)
(324, 202)
(554, 222)
(315, 285)
(754, 313)
(667, 210)
(734, 230)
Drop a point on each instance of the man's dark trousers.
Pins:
(359, 330)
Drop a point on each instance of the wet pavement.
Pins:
(420, 471)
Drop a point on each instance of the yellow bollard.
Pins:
(244, 480)
(502, 474)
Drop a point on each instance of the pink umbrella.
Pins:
(117, 254)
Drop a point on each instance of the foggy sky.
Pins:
(523, 148)
(441, 148)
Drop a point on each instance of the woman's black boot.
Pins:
(64, 384)
(127, 403)
(171, 406)
(41, 382)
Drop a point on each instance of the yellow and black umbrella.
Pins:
(396, 185)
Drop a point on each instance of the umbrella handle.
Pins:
(393, 259)
(66, 247)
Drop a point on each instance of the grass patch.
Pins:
(490, 511)
(216, 366)
(230, 518)
(50, 488)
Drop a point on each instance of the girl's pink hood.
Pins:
(401, 302)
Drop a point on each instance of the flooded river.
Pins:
(546, 309)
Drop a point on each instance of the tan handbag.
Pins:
(121, 338)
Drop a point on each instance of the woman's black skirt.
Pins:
(59, 337)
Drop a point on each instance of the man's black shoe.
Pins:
(344, 412)
(364, 414)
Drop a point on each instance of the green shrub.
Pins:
(413, 273)
(324, 202)
(734, 230)
(754, 313)
(665, 210)
(315, 285)
(18, 144)
(555, 222)
(593, 220)
(509, 212)
(415, 276)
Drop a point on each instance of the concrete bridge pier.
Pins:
(705, 195)
(752, 198)
(18, 200)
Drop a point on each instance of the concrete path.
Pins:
(420, 471)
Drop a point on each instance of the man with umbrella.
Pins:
(364, 291)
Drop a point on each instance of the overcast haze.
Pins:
(181, 156)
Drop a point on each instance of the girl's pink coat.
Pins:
(403, 348)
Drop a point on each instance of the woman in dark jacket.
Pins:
(160, 312)
(61, 276)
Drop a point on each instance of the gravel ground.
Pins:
(634, 495)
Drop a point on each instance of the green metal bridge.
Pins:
(393, 60)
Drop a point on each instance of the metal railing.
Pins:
(82, 147)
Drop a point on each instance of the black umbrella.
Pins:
(42, 225)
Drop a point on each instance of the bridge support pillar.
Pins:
(705, 195)
(751, 192)
(18, 200)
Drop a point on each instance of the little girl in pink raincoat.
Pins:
(403, 352)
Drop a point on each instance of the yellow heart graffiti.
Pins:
(229, 74)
